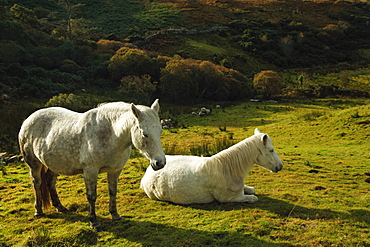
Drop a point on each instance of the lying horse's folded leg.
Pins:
(249, 190)
(51, 179)
(244, 198)
(91, 178)
(113, 181)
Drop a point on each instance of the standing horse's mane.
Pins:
(234, 162)
(112, 110)
(114, 105)
(115, 109)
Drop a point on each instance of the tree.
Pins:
(268, 83)
(23, 14)
(70, 7)
(178, 79)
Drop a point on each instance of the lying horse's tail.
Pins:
(45, 193)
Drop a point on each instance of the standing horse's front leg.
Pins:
(113, 181)
(91, 178)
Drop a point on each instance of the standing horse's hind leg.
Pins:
(51, 178)
(91, 178)
(113, 181)
(36, 183)
(37, 172)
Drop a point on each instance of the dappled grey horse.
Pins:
(59, 141)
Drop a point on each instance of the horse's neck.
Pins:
(238, 159)
(120, 119)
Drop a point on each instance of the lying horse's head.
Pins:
(268, 157)
(146, 135)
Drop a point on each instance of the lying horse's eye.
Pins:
(145, 135)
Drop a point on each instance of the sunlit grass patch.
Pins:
(319, 198)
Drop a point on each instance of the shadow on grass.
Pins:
(156, 234)
(148, 233)
(285, 209)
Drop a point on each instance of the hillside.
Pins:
(111, 50)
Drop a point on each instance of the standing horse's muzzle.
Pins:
(158, 164)
(278, 167)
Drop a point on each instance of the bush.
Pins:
(12, 53)
(23, 14)
(109, 46)
(268, 83)
(196, 80)
(139, 88)
(73, 102)
(129, 61)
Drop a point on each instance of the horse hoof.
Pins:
(38, 216)
(97, 228)
(117, 219)
(63, 210)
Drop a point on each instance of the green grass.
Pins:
(320, 198)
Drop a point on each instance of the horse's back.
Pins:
(44, 122)
(178, 181)
(50, 135)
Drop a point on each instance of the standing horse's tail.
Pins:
(45, 193)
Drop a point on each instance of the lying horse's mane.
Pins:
(233, 163)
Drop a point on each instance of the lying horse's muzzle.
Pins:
(158, 164)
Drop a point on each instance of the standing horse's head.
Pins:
(146, 134)
(268, 157)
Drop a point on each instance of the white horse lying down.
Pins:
(194, 179)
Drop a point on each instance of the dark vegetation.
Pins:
(79, 53)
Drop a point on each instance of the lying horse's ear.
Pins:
(256, 131)
(136, 111)
(155, 105)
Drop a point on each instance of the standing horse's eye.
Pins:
(272, 150)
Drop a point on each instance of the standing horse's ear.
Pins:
(256, 131)
(264, 139)
(155, 105)
(136, 111)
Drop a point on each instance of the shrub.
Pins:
(139, 88)
(109, 46)
(12, 53)
(196, 80)
(23, 14)
(69, 66)
(268, 83)
(40, 12)
(129, 61)
(73, 102)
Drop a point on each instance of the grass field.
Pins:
(320, 198)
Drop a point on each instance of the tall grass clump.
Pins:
(204, 149)
(312, 115)
(208, 149)
(220, 144)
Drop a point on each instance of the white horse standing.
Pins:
(59, 141)
(193, 179)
